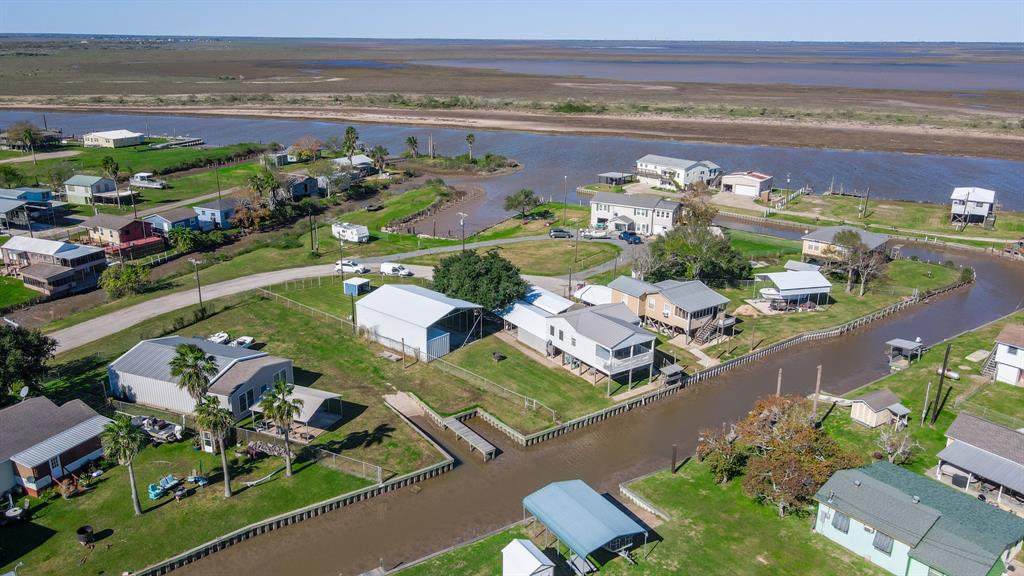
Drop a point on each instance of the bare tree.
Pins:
(872, 265)
(897, 445)
(643, 261)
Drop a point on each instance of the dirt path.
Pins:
(41, 156)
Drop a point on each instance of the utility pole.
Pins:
(778, 384)
(462, 223)
(576, 257)
(924, 408)
(938, 390)
(817, 389)
(352, 299)
(565, 195)
(216, 175)
(199, 288)
(675, 451)
(753, 331)
(341, 258)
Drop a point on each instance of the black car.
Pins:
(559, 233)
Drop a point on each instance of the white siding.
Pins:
(585, 349)
(859, 541)
(7, 476)
(149, 391)
(390, 327)
(1009, 363)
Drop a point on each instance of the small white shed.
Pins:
(523, 558)
(796, 286)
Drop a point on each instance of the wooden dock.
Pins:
(476, 441)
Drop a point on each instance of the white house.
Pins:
(753, 184)
(522, 558)
(360, 163)
(663, 171)
(911, 525)
(528, 316)
(112, 139)
(970, 204)
(416, 320)
(606, 339)
(143, 375)
(350, 232)
(796, 287)
(1010, 355)
(79, 189)
(641, 213)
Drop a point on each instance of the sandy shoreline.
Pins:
(818, 134)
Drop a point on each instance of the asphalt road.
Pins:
(118, 320)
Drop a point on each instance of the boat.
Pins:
(146, 180)
(242, 342)
(219, 338)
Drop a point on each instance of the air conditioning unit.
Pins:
(869, 530)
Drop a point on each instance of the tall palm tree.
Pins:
(281, 410)
(27, 135)
(122, 442)
(264, 182)
(379, 155)
(110, 167)
(349, 143)
(470, 139)
(218, 420)
(413, 146)
(194, 369)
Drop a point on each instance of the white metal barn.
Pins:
(522, 558)
(528, 316)
(143, 375)
(796, 286)
(411, 318)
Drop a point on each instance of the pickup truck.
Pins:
(630, 237)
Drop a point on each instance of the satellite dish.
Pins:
(23, 392)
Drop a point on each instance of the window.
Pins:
(602, 352)
(561, 335)
(934, 572)
(841, 522)
(666, 310)
(54, 463)
(883, 543)
(551, 330)
(650, 304)
(573, 340)
(1012, 351)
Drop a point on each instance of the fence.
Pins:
(491, 386)
(158, 259)
(788, 198)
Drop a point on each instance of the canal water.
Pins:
(476, 498)
(554, 164)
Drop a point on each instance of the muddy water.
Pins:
(476, 498)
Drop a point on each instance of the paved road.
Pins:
(118, 320)
(40, 156)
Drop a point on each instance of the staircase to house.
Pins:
(989, 370)
(705, 331)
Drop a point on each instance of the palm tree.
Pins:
(379, 155)
(264, 182)
(110, 167)
(413, 146)
(211, 416)
(470, 139)
(194, 369)
(27, 135)
(349, 143)
(122, 442)
(281, 410)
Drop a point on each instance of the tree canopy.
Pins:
(489, 280)
(23, 357)
(124, 279)
(522, 201)
(695, 252)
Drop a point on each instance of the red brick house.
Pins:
(41, 442)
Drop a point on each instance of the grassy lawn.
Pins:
(566, 393)
(995, 401)
(14, 292)
(461, 164)
(902, 278)
(713, 529)
(48, 544)
(539, 221)
(759, 245)
(544, 257)
(887, 214)
(605, 188)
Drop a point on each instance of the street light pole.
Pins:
(565, 195)
(199, 288)
(462, 223)
(341, 258)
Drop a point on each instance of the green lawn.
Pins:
(606, 188)
(13, 291)
(554, 257)
(902, 278)
(48, 544)
(713, 530)
(885, 215)
(995, 401)
(568, 394)
(759, 245)
(539, 221)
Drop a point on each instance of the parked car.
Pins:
(392, 269)
(350, 267)
(559, 233)
(630, 237)
(591, 233)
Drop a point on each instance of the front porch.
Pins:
(980, 488)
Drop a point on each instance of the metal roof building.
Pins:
(797, 286)
(529, 315)
(985, 450)
(582, 519)
(828, 234)
(416, 320)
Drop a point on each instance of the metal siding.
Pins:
(7, 476)
(390, 327)
(156, 393)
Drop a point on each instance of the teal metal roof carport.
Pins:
(580, 517)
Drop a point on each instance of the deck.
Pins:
(476, 441)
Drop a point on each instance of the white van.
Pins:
(392, 269)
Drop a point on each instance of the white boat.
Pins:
(242, 342)
(146, 180)
(219, 338)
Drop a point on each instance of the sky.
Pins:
(781, 20)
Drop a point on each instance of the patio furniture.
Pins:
(156, 492)
(180, 493)
(198, 480)
(168, 482)
(14, 513)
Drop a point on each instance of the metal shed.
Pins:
(356, 286)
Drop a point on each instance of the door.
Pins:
(55, 470)
(207, 441)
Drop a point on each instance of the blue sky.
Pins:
(807, 20)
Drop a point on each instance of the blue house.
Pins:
(164, 222)
(216, 214)
(912, 525)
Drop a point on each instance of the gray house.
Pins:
(979, 453)
(677, 307)
(143, 375)
(79, 189)
(164, 222)
(641, 213)
(216, 214)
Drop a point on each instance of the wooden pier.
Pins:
(476, 441)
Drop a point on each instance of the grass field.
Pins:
(13, 291)
(994, 401)
(539, 221)
(759, 245)
(544, 257)
(902, 278)
(883, 215)
(48, 545)
(606, 188)
(713, 530)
